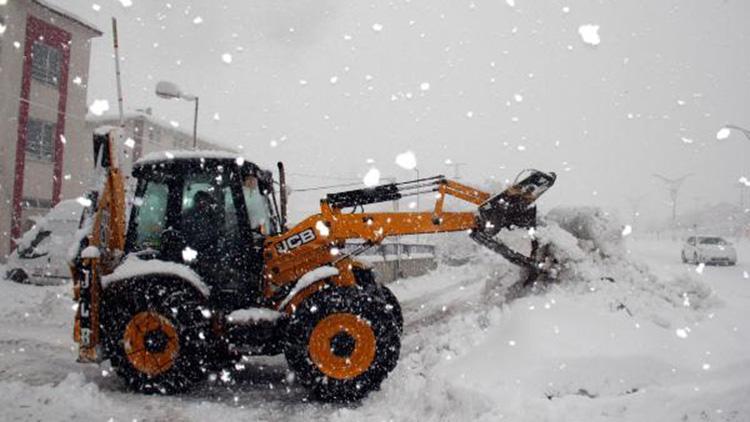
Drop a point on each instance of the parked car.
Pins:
(40, 254)
(709, 250)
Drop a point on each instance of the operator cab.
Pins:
(210, 211)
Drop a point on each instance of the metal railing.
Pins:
(389, 251)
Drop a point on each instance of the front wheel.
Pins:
(341, 343)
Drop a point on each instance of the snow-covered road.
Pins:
(595, 351)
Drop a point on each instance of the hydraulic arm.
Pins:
(319, 239)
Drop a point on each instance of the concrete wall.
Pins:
(388, 271)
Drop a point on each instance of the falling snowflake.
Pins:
(189, 254)
(424, 86)
(745, 181)
(217, 117)
(511, 3)
(627, 230)
(198, 20)
(686, 140)
(98, 107)
(589, 34)
(372, 178)
(699, 269)
(77, 80)
(407, 160)
(334, 80)
(226, 58)
(130, 143)
(126, 3)
(681, 333)
(83, 201)
(723, 133)
(96, 7)
(377, 27)
(322, 228)
(2, 28)
(518, 98)
(174, 123)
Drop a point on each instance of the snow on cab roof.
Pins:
(161, 156)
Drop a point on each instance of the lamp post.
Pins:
(673, 186)
(170, 90)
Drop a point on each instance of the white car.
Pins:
(709, 250)
(40, 256)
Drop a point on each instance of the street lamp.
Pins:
(743, 130)
(170, 90)
(673, 186)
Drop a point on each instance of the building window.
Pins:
(40, 140)
(45, 63)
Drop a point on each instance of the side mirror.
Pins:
(282, 195)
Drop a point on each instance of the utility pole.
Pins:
(457, 170)
(673, 187)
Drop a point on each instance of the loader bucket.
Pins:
(513, 208)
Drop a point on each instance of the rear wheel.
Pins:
(341, 343)
(155, 337)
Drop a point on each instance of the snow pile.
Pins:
(588, 254)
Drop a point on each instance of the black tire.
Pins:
(18, 275)
(366, 279)
(684, 259)
(392, 306)
(182, 334)
(374, 331)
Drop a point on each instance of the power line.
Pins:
(317, 176)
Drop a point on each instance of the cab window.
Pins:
(257, 204)
(150, 215)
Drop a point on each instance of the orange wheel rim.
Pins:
(151, 343)
(342, 346)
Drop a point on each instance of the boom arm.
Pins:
(317, 240)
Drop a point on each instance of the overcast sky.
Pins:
(327, 85)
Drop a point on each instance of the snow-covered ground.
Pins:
(636, 348)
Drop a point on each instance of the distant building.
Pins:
(144, 134)
(44, 66)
